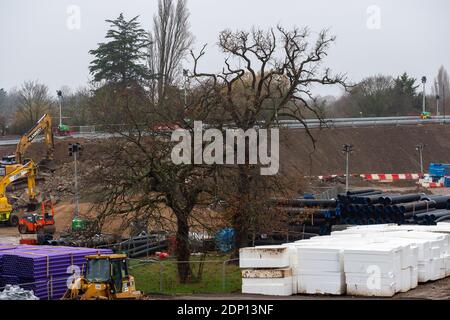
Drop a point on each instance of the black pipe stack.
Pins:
(374, 207)
(308, 215)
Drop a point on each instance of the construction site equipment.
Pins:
(42, 225)
(142, 245)
(106, 278)
(44, 124)
(63, 130)
(28, 170)
(79, 224)
(425, 115)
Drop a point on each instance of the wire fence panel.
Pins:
(208, 276)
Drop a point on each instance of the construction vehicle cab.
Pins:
(6, 208)
(106, 278)
(42, 224)
(8, 160)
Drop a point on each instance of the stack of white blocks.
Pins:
(320, 269)
(267, 270)
(363, 261)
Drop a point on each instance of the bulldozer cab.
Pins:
(106, 278)
(110, 269)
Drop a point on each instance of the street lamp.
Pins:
(186, 80)
(443, 100)
(437, 105)
(59, 93)
(424, 82)
(420, 147)
(347, 150)
(74, 150)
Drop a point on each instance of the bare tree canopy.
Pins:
(33, 101)
(266, 75)
(276, 70)
(171, 40)
(441, 84)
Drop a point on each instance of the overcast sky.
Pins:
(40, 40)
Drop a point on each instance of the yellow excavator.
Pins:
(9, 163)
(106, 278)
(29, 170)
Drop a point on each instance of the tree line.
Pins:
(385, 96)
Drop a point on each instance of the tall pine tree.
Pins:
(122, 59)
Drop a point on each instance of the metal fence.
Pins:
(207, 276)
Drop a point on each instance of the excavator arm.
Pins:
(43, 125)
(28, 170)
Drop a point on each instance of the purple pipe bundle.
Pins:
(43, 269)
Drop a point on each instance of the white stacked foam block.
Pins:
(433, 248)
(267, 270)
(273, 282)
(320, 270)
(365, 261)
(373, 270)
(447, 265)
(264, 257)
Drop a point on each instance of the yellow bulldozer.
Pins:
(106, 278)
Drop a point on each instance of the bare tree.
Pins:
(3, 120)
(442, 84)
(170, 42)
(33, 101)
(267, 75)
(136, 180)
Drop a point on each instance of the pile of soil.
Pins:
(376, 149)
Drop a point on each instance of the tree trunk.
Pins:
(241, 217)
(183, 250)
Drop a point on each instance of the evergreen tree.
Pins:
(121, 60)
(406, 85)
(406, 99)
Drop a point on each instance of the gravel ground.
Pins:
(438, 290)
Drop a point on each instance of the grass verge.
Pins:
(161, 277)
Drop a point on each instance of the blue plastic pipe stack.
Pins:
(43, 269)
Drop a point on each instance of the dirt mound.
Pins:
(376, 150)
